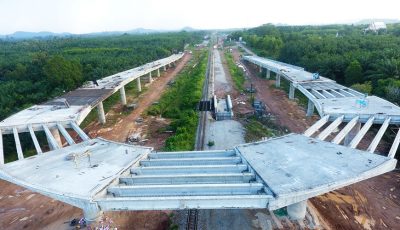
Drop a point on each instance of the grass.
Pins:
(257, 128)
(236, 72)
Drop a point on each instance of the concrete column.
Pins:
(139, 85)
(291, 91)
(278, 80)
(123, 95)
(268, 74)
(1, 149)
(165, 68)
(100, 113)
(150, 78)
(353, 132)
(310, 108)
(297, 211)
(158, 73)
(91, 212)
(56, 134)
(260, 69)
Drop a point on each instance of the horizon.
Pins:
(91, 16)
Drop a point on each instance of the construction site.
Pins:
(326, 165)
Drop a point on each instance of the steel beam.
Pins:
(310, 131)
(188, 179)
(18, 144)
(191, 161)
(80, 132)
(186, 190)
(379, 135)
(341, 135)
(196, 169)
(356, 140)
(66, 135)
(34, 139)
(324, 134)
(52, 142)
(395, 145)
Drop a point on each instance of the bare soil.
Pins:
(23, 209)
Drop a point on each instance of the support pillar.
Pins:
(260, 69)
(123, 95)
(1, 149)
(150, 78)
(291, 91)
(297, 211)
(56, 134)
(278, 80)
(139, 85)
(100, 113)
(165, 68)
(353, 132)
(158, 73)
(91, 212)
(268, 74)
(310, 108)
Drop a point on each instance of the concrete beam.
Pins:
(291, 91)
(188, 179)
(158, 72)
(327, 94)
(139, 85)
(18, 144)
(191, 154)
(100, 113)
(34, 139)
(66, 135)
(310, 108)
(318, 94)
(185, 170)
(123, 95)
(278, 80)
(186, 190)
(363, 131)
(310, 131)
(192, 161)
(324, 134)
(56, 134)
(395, 145)
(53, 144)
(343, 133)
(379, 135)
(80, 132)
(268, 74)
(297, 211)
(1, 149)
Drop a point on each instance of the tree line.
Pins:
(368, 62)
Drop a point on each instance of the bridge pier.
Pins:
(139, 85)
(91, 212)
(158, 73)
(1, 149)
(100, 113)
(310, 108)
(150, 78)
(297, 211)
(123, 95)
(291, 91)
(278, 80)
(268, 74)
(165, 68)
(260, 69)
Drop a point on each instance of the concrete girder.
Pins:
(100, 113)
(194, 154)
(123, 95)
(34, 139)
(188, 179)
(80, 132)
(139, 85)
(336, 93)
(395, 145)
(186, 190)
(342, 134)
(327, 94)
(195, 169)
(18, 144)
(318, 94)
(363, 131)
(310, 131)
(66, 135)
(324, 134)
(56, 134)
(378, 136)
(52, 141)
(191, 161)
(1, 149)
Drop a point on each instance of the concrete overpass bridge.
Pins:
(100, 175)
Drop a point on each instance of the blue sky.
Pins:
(83, 16)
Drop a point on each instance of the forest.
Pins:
(366, 61)
(34, 70)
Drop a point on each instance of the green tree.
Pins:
(353, 73)
(62, 73)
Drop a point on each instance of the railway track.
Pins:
(192, 215)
